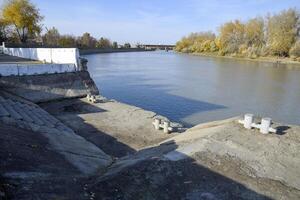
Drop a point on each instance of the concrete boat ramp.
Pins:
(217, 160)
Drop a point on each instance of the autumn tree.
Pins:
(232, 35)
(51, 37)
(254, 32)
(24, 17)
(87, 41)
(295, 50)
(103, 43)
(282, 30)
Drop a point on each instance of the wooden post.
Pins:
(166, 126)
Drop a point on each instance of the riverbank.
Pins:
(215, 160)
(272, 60)
(96, 51)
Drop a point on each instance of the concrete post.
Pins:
(265, 125)
(248, 120)
(166, 126)
(88, 96)
(156, 123)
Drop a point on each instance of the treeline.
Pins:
(273, 35)
(21, 23)
(53, 38)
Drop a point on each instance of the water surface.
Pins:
(193, 89)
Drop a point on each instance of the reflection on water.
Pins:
(193, 89)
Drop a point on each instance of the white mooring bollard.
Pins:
(156, 124)
(166, 126)
(265, 125)
(248, 120)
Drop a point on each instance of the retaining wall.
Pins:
(48, 87)
(33, 69)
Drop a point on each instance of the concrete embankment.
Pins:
(83, 155)
(95, 51)
(48, 87)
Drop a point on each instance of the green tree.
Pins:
(115, 45)
(51, 37)
(127, 45)
(104, 43)
(282, 30)
(24, 17)
(4, 31)
(67, 41)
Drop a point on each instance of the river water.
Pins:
(193, 89)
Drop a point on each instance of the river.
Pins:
(194, 89)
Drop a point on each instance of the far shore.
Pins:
(111, 50)
(273, 60)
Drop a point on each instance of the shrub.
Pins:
(295, 50)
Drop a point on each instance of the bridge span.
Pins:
(158, 46)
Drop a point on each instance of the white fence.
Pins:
(33, 69)
(47, 55)
(55, 60)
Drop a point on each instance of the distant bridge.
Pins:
(158, 46)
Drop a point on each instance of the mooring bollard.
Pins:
(265, 125)
(248, 120)
(156, 124)
(93, 99)
(166, 126)
(88, 96)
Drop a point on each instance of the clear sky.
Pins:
(150, 21)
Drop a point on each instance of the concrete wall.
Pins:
(49, 55)
(48, 87)
(8, 69)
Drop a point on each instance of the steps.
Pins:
(84, 155)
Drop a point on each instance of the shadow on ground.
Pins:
(147, 174)
(69, 114)
(150, 176)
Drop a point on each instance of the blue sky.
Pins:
(150, 21)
